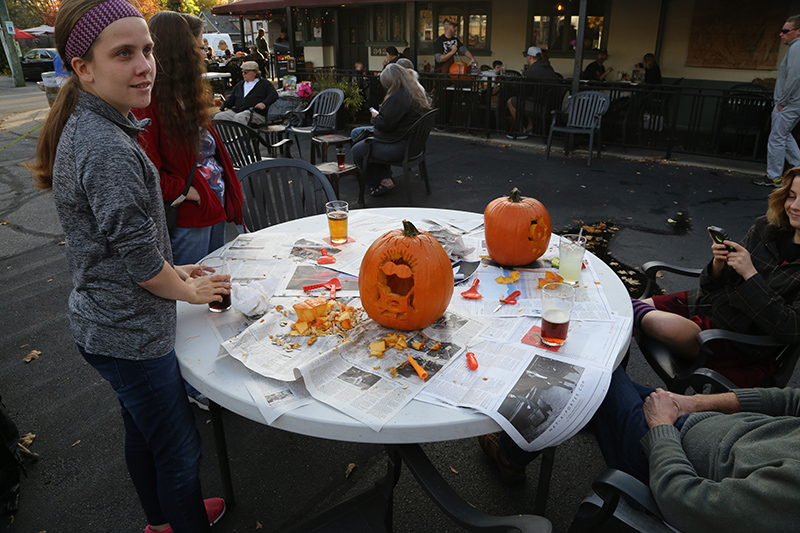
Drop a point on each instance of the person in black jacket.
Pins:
(405, 102)
(250, 99)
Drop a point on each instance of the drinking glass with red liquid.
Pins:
(557, 301)
(217, 265)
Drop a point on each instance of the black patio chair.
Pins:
(584, 112)
(277, 190)
(243, 143)
(417, 137)
(323, 108)
(679, 374)
(619, 502)
(743, 114)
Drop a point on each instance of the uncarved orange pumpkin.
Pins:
(406, 279)
(517, 229)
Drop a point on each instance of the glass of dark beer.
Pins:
(217, 265)
(557, 300)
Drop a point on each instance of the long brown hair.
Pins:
(776, 212)
(181, 92)
(69, 14)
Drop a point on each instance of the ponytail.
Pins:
(62, 108)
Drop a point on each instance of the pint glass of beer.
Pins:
(337, 221)
(557, 300)
(217, 265)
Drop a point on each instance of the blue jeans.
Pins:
(357, 131)
(781, 145)
(190, 245)
(390, 152)
(162, 444)
(619, 426)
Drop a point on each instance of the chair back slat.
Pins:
(418, 135)
(240, 141)
(326, 105)
(586, 109)
(279, 190)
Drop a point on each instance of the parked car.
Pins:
(36, 61)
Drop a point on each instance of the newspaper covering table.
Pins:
(539, 395)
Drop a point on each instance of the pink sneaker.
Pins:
(215, 508)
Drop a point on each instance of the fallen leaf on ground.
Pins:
(27, 439)
(453, 470)
(75, 443)
(258, 525)
(349, 470)
(3, 223)
(33, 354)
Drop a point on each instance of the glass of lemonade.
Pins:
(570, 257)
(337, 221)
(557, 301)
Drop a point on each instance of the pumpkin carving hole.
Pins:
(398, 285)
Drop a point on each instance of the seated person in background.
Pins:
(284, 37)
(497, 66)
(392, 55)
(405, 102)
(227, 56)
(753, 289)
(720, 462)
(596, 71)
(652, 72)
(359, 65)
(538, 69)
(250, 99)
(406, 63)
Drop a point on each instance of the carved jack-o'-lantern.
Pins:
(406, 280)
(517, 229)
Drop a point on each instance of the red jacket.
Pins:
(174, 160)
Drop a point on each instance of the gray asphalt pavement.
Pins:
(81, 484)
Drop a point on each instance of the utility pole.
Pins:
(9, 46)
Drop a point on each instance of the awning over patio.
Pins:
(241, 7)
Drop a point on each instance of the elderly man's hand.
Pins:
(260, 105)
(661, 408)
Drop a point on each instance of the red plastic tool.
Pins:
(472, 293)
(325, 259)
(511, 299)
(472, 361)
(333, 284)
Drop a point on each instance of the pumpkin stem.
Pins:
(515, 196)
(409, 230)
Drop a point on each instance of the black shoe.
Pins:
(766, 181)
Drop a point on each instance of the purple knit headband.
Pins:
(93, 22)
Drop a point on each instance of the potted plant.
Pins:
(353, 97)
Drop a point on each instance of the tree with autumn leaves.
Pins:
(28, 13)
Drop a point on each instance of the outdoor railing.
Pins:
(673, 119)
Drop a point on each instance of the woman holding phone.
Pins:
(752, 288)
(122, 307)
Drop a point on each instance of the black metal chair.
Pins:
(679, 374)
(243, 143)
(324, 108)
(585, 112)
(417, 137)
(277, 190)
(609, 507)
(744, 113)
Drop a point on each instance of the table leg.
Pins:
(222, 454)
(545, 473)
(453, 505)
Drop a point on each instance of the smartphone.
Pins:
(719, 235)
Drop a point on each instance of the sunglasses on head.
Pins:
(784, 30)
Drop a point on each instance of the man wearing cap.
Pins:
(595, 71)
(446, 46)
(250, 99)
(782, 145)
(538, 69)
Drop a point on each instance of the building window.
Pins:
(473, 19)
(389, 24)
(554, 25)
